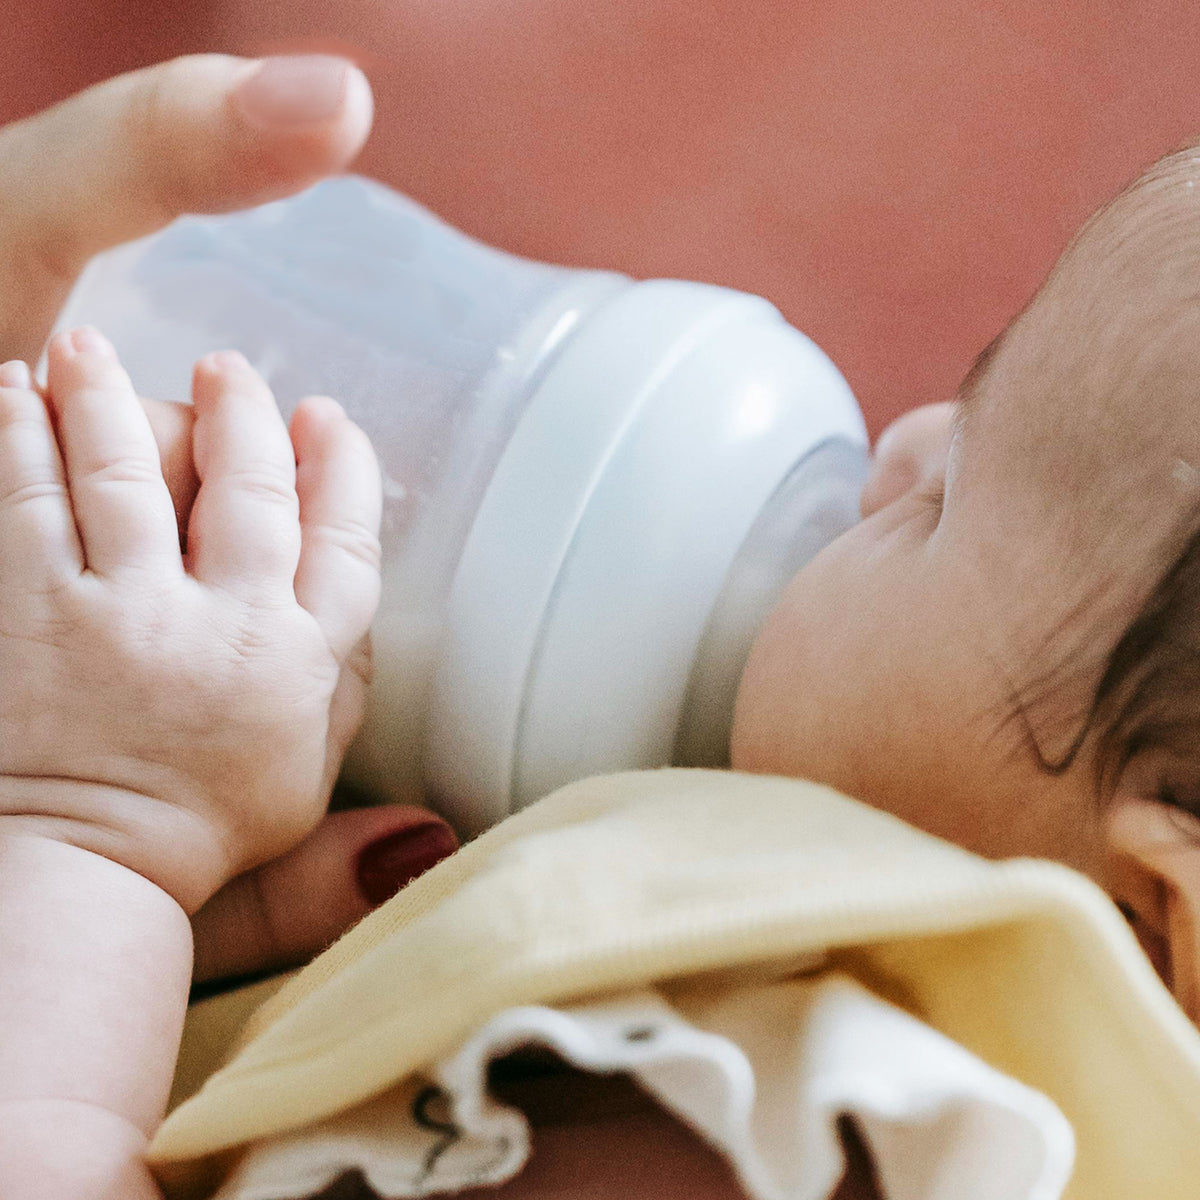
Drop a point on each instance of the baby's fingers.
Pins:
(341, 497)
(123, 510)
(38, 542)
(243, 534)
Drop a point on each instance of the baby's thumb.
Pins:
(288, 910)
(205, 133)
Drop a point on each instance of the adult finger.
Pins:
(206, 133)
(291, 908)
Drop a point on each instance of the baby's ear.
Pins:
(1155, 877)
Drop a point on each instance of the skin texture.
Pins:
(248, 631)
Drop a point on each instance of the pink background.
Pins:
(896, 175)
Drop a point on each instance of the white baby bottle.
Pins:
(594, 487)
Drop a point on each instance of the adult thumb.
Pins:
(287, 910)
(206, 133)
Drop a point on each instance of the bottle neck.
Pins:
(817, 502)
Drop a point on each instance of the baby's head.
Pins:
(1006, 650)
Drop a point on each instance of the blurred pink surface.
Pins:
(897, 176)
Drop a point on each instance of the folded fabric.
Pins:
(685, 879)
(762, 1072)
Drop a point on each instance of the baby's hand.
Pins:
(171, 710)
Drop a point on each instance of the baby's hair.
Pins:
(1148, 700)
(1114, 451)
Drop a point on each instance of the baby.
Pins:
(1005, 651)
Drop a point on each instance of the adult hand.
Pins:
(201, 134)
(283, 913)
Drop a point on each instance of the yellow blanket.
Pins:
(627, 879)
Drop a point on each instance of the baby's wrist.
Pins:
(167, 846)
(97, 968)
(39, 870)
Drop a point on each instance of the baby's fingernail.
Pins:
(228, 360)
(294, 91)
(326, 407)
(15, 374)
(386, 865)
(87, 339)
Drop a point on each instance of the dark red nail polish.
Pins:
(386, 865)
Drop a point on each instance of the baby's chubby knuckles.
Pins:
(183, 716)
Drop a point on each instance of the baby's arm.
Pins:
(164, 725)
(94, 968)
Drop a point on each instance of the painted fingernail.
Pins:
(294, 91)
(87, 339)
(15, 374)
(386, 865)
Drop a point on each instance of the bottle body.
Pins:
(523, 415)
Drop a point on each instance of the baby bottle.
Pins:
(595, 488)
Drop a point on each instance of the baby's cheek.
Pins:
(769, 724)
